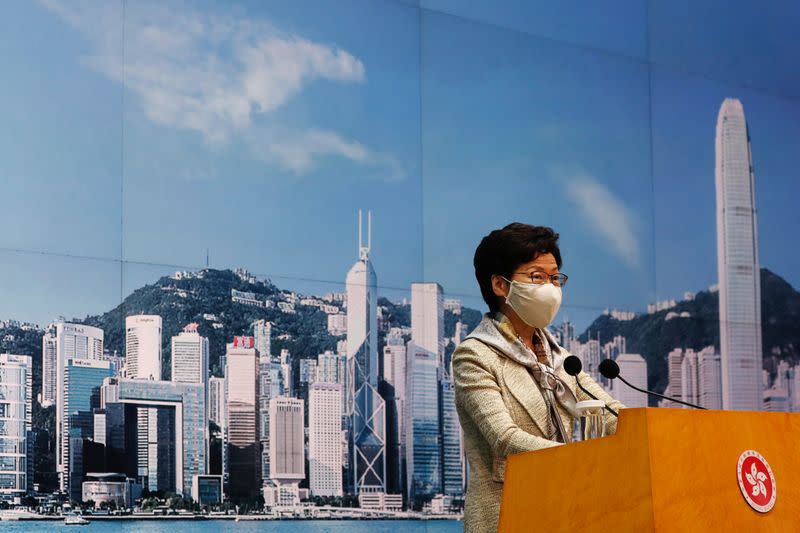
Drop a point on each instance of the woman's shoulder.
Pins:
(471, 349)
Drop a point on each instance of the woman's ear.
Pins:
(499, 286)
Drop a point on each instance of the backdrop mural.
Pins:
(205, 162)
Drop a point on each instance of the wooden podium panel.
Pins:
(664, 470)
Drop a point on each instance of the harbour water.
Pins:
(229, 526)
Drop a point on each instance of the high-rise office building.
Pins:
(689, 386)
(675, 377)
(243, 474)
(143, 347)
(143, 361)
(709, 378)
(427, 318)
(423, 444)
(190, 356)
(74, 342)
(364, 405)
(452, 448)
(634, 368)
(325, 439)
(216, 400)
(737, 262)
(49, 367)
(286, 446)
(393, 386)
(181, 426)
(262, 335)
(331, 367)
(82, 379)
(16, 406)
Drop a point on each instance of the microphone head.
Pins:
(609, 368)
(573, 365)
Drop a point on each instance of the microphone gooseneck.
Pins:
(610, 370)
(573, 367)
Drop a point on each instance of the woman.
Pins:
(512, 394)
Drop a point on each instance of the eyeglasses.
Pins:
(540, 278)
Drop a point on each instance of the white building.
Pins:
(216, 400)
(337, 324)
(709, 378)
(143, 347)
(633, 368)
(16, 392)
(325, 439)
(143, 361)
(427, 318)
(49, 367)
(190, 356)
(690, 388)
(737, 262)
(364, 403)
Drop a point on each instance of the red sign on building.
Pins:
(243, 342)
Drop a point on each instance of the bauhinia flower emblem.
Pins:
(756, 481)
(756, 478)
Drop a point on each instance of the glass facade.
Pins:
(423, 459)
(82, 381)
(187, 401)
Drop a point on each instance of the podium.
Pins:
(663, 470)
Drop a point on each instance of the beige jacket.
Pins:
(502, 412)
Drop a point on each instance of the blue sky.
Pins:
(257, 131)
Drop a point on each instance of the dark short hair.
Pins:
(504, 250)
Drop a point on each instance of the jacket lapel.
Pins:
(521, 385)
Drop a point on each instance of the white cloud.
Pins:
(301, 153)
(219, 76)
(607, 216)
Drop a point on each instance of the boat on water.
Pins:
(12, 515)
(75, 520)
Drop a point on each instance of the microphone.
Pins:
(610, 370)
(573, 367)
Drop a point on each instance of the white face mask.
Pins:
(536, 305)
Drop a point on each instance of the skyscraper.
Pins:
(737, 262)
(182, 427)
(427, 318)
(216, 400)
(190, 356)
(634, 368)
(325, 439)
(16, 374)
(242, 435)
(49, 367)
(452, 449)
(423, 444)
(81, 394)
(690, 390)
(143, 347)
(262, 333)
(709, 378)
(287, 447)
(143, 361)
(394, 393)
(364, 403)
(74, 342)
